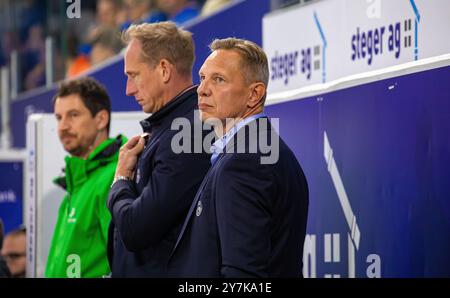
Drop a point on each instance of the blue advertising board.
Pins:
(377, 159)
(11, 194)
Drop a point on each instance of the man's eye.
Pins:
(202, 78)
(218, 80)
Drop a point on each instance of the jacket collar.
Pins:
(157, 118)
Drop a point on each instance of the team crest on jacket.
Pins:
(199, 208)
(72, 217)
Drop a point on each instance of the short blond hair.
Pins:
(254, 60)
(164, 40)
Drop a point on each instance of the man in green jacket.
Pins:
(82, 109)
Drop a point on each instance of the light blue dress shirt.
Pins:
(218, 147)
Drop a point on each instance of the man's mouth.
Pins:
(66, 137)
(203, 106)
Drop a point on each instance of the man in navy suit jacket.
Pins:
(248, 218)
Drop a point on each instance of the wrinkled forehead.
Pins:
(226, 60)
(67, 104)
(69, 101)
(133, 49)
(15, 241)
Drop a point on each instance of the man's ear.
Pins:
(166, 69)
(257, 91)
(102, 120)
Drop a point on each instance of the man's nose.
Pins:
(131, 88)
(63, 124)
(203, 89)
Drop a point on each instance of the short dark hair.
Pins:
(92, 93)
(20, 230)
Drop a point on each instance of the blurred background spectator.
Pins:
(78, 44)
(110, 13)
(33, 58)
(179, 11)
(77, 60)
(105, 45)
(142, 11)
(14, 251)
(4, 270)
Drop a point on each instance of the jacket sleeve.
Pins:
(243, 192)
(143, 220)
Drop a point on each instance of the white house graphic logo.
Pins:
(304, 61)
(324, 47)
(416, 29)
(331, 241)
(367, 44)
